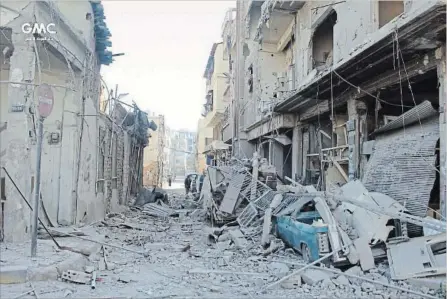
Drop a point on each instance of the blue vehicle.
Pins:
(305, 232)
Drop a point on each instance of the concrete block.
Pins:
(43, 273)
(365, 254)
(13, 274)
(341, 281)
(238, 239)
(278, 268)
(431, 283)
(292, 283)
(76, 263)
(314, 276)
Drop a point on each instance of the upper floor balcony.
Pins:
(229, 20)
(276, 24)
(209, 103)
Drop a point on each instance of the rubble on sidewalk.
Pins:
(349, 224)
(251, 252)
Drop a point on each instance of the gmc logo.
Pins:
(38, 28)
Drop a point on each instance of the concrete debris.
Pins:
(354, 233)
(417, 257)
(156, 210)
(146, 195)
(238, 238)
(365, 254)
(124, 280)
(206, 271)
(252, 254)
(292, 283)
(314, 276)
(278, 268)
(77, 277)
(341, 280)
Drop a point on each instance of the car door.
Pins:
(283, 224)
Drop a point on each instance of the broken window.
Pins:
(250, 78)
(323, 42)
(388, 10)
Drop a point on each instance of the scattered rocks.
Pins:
(327, 284)
(341, 280)
(124, 279)
(314, 276)
(278, 268)
(367, 287)
(292, 283)
(356, 270)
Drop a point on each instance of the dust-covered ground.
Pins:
(183, 262)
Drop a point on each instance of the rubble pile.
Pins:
(297, 242)
(344, 227)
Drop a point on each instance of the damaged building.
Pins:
(91, 160)
(338, 133)
(327, 102)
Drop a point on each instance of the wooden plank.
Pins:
(342, 172)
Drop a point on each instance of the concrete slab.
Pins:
(13, 274)
(314, 276)
(292, 283)
(238, 238)
(365, 254)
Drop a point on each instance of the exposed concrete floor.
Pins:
(164, 274)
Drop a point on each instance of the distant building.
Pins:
(154, 170)
(182, 152)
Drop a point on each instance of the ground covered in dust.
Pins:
(184, 263)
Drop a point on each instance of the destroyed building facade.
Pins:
(329, 92)
(91, 159)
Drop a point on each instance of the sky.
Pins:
(166, 46)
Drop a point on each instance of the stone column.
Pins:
(352, 126)
(297, 152)
(440, 54)
(278, 157)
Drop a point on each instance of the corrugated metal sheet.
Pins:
(402, 166)
(420, 112)
(232, 194)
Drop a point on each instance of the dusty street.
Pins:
(182, 262)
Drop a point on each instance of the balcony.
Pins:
(251, 4)
(229, 19)
(208, 106)
(280, 23)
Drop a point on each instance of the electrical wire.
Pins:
(400, 78)
(368, 93)
(400, 57)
